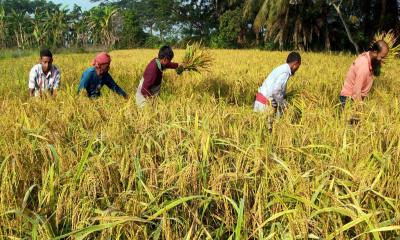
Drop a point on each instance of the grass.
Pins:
(199, 164)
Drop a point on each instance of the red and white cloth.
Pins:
(273, 88)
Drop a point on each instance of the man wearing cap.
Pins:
(44, 77)
(95, 77)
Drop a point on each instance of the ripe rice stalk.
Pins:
(172, 205)
(196, 59)
(273, 217)
(349, 225)
(391, 39)
(84, 232)
(83, 161)
(326, 173)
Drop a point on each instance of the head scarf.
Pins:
(101, 58)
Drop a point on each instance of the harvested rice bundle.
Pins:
(196, 59)
(390, 38)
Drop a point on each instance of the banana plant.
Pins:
(101, 25)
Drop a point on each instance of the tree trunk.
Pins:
(327, 44)
(337, 8)
(17, 39)
(382, 14)
(366, 11)
(257, 38)
(241, 39)
(398, 17)
(327, 40)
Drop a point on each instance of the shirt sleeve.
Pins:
(84, 81)
(362, 72)
(109, 81)
(57, 79)
(279, 88)
(172, 65)
(32, 78)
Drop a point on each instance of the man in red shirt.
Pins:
(359, 78)
(150, 83)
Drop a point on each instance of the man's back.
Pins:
(275, 83)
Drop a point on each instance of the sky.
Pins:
(85, 4)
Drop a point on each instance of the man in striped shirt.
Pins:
(44, 77)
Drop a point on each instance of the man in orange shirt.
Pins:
(359, 78)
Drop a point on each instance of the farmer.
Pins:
(150, 83)
(271, 94)
(44, 77)
(359, 78)
(95, 77)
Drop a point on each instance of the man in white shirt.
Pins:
(44, 76)
(271, 94)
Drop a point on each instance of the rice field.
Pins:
(198, 163)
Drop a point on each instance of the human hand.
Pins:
(180, 69)
(274, 104)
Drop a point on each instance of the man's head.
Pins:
(294, 61)
(378, 51)
(102, 63)
(165, 55)
(46, 60)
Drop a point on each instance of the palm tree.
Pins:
(107, 26)
(78, 26)
(285, 21)
(101, 25)
(59, 26)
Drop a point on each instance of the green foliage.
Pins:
(198, 19)
(132, 33)
(282, 24)
(230, 24)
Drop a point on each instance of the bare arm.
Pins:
(31, 92)
(54, 92)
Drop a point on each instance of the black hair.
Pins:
(166, 52)
(293, 57)
(378, 46)
(46, 53)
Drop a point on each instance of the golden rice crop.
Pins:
(195, 59)
(392, 41)
(198, 163)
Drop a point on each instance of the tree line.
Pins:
(268, 24)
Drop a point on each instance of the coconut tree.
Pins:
(286, 21)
